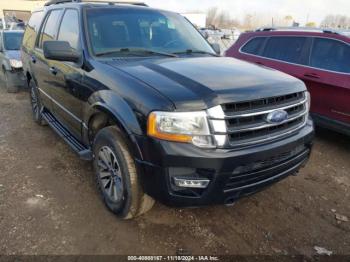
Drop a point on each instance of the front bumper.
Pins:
(16, 77)
(232, 173)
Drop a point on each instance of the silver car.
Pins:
(10, 59)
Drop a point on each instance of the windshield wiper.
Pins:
(190, 51)
(135, 51)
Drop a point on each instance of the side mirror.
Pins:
(216, 48)
(60, 51)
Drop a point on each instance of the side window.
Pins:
(69, 30)
(253, 46)
(288, 49)
(32, 29)
(49, 32)
(330, 55)
(35, 21)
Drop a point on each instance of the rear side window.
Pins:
(32, 29)
(254, 46)
(288, 49)
(330, 55)
(49, 32)
(69, 30)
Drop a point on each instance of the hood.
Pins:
(13, 54)
(203, 82)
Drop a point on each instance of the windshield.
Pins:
(13, 40)
(113, 31)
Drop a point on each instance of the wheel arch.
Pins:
(29, 76)
(113, 111)
(6, 65)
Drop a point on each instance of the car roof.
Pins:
(100, 4)
(94, 4)
(275, 31)
(109, 2)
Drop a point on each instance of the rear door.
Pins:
(65, 77)
(29, 39)
(289, 54)
(328, 77)
(41, 66)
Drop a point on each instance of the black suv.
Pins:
(141, 93)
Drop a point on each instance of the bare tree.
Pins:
(336, 21)
(220, 19)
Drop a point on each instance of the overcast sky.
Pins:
(315, 10)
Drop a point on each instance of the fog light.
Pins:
(191, 183)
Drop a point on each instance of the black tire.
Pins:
(118, 182)
(9, 88)
(36, 104)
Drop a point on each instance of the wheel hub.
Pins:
(110, 174)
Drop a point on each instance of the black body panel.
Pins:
(288, 156)
(128, 89)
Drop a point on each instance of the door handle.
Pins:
(33, 59)
(312, 75)
(53, 70)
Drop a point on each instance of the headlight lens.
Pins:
(184, 127)
(16, 63)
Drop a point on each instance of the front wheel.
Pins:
(116, 175)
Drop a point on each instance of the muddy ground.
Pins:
(49, 204)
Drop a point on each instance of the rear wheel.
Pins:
(9, 87)
(36, 104)
(116, 175)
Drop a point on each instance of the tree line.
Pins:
(217, 18)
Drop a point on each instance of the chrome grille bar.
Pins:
(266, 125)
(266, 111)
(249, 127)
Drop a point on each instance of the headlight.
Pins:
(184, 127)
(16, 63)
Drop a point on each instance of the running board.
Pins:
(83, 152)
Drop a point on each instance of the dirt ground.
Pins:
(49, 204)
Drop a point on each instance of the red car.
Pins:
(321, 58)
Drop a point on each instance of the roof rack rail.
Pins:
(111, 2)
(305, 29)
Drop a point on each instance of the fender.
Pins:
(110, 102)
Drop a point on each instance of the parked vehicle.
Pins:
(321, 58)
(141, 93)
(11, 64)
(231, 34)
(212, 33)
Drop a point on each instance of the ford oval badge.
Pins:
(277, 117)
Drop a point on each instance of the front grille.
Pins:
(265, 132)
(266, 171)
(263, 104)
(246, 122)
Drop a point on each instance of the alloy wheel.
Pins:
(109, 172)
